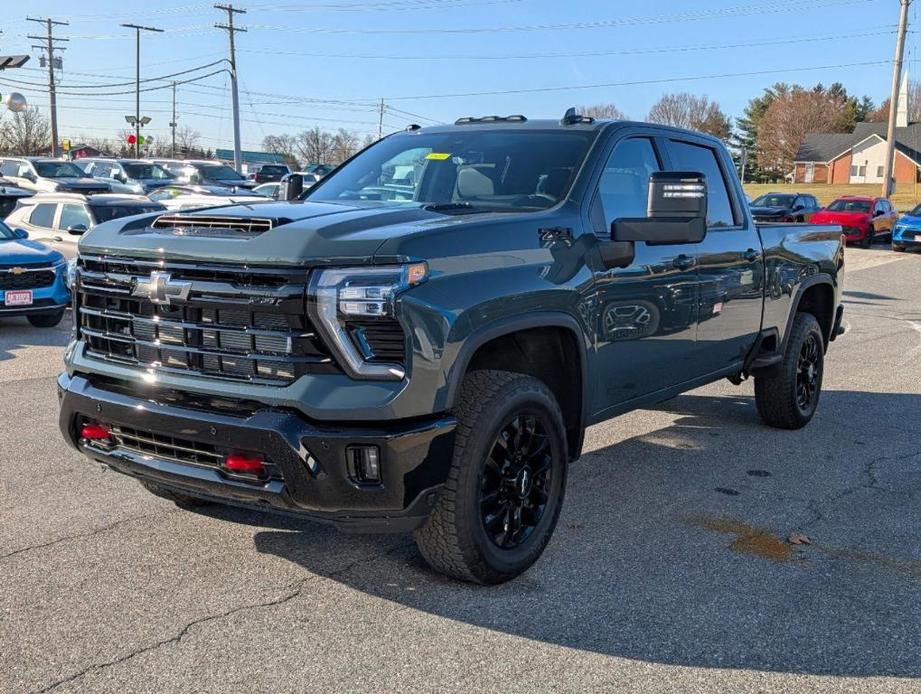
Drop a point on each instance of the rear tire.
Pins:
(181, 500)
(46, 320)
(500, 504)
(788, 398)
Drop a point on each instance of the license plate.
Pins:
(21, 297)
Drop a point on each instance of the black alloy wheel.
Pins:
(515, 481)
(808, 373)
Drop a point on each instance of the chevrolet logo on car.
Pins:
(160, 289)
(17, 270)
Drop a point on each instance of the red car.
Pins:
(861, 218)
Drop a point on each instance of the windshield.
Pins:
(147, 171)
(774, 201)
(495, 170)
(6, 232)
(850, 206)
(106, 213)
(219, 172)
(916, 212)
(58, 169)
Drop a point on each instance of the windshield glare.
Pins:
(492, 170)
(106, 213)
(849, 206)
(220, 173)
(151, 171)
(774, 201)
(58, 169)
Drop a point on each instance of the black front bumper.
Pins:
(313, 477)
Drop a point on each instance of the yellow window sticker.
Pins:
(438, 156)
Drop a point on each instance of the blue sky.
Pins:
(328, 62)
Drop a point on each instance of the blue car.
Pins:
(907, 231)
(33, 279)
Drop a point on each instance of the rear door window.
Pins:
(74, 215)
(690, 157)
(43, 215)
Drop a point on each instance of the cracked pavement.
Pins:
(669, 570)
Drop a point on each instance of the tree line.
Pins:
(770, 131)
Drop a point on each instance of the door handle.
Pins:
(684, 262)
(751, 255)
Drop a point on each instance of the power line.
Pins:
(10, 82)
(50, 47)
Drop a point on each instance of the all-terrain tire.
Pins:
(454, 539)
(779, 396)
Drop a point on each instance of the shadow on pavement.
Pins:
(17, 333)
(642, 565)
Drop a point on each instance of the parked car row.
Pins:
(862, 218)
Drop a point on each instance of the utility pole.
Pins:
(894, 97)
(137, 83)
(380, 121)
(231, 30)
(50, 48)
(172, 124)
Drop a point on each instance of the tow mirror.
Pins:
(676, 212)
(291, 187)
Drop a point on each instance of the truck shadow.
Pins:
(17, 333)
(651, 562)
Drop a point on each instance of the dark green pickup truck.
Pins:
(420, 341)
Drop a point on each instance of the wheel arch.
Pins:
(815, 295)
(520, 344)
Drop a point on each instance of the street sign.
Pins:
(11, 61)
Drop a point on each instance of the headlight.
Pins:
(343, 295)
(71, 275)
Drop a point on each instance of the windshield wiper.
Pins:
(461, 207)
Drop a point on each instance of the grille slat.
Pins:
(228, 326)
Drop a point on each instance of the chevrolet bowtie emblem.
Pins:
(18, 270)
(160, 289)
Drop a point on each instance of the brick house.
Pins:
(860, 156)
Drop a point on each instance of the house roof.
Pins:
(824, 147)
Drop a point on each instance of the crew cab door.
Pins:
(645, 314)
(730, 263)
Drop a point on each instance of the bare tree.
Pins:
(602, 112)
(285, 145)
(187, 139)
(693, 112)
(25, 132)
(345, 144)
(315, 146)
(794, 113)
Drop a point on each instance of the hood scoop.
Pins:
(200, 226)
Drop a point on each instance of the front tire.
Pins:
(897, 248)
(505, 488)
(788, 398)
(46, 320)
(868, 238)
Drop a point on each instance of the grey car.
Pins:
(127, 175)
(47, 175)
(60, 219)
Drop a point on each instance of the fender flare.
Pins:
(808, 283)
(513, 324)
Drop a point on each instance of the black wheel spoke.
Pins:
(515, 481)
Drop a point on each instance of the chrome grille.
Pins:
(238, 323)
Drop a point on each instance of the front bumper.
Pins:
(47, 299)
(906, 237)
(313, 477)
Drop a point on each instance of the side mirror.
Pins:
(21, 233)
(291, 188)
(676, 213)
(798, 208)
(29, 176)
(77, 229)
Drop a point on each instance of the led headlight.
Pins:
(71, 274)
(356, 294)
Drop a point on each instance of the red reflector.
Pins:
(244, 464)
(95, 432)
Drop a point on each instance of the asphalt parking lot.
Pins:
(670, 570)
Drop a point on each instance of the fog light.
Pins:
(364, 464)
(95, 432)
(244, 465)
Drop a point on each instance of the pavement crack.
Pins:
(291, 591)
(80, 536)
